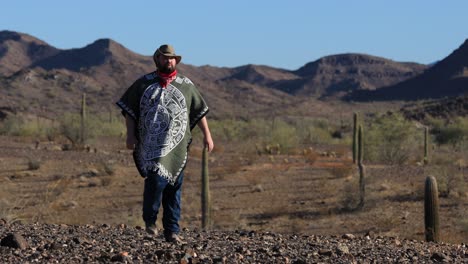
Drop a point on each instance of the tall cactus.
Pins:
(362, 169)
(205, 194)
(360, 152)
(83, 119)
(426, 145)
(431, 210)
(355, 137)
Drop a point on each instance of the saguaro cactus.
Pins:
(83, 119)
(426, 145)
(431, 210)
(362, 169)
(355, 137)
(205, 194)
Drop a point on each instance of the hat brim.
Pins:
(177, 57)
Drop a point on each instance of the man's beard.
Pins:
(165, 68)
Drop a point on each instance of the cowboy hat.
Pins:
(168, 51)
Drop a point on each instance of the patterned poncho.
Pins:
(164, 118)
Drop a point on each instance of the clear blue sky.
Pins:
(283, 34)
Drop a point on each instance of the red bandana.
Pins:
(166, 78)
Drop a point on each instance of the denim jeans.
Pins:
(157, 190)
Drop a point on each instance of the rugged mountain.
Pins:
(331, 76)
(18, 51)
(448, 77)
(41, 79)
(51, 85)
(338, 75)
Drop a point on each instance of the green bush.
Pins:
(391, 139)
(454, 133)
(70, 125)
(27, 127)
(34, 164)
(289, 133)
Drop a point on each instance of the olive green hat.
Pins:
(167, 50)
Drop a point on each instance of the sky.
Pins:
(278, 33)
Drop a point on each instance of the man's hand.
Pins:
(208, 142)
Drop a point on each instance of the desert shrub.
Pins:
(449, 179)
(103, 126)
(67, 125)
(349, 196)
(290, 133)
(11, 126)
(21, 126)
(106, 168)
(70, 127)
(256, 131)
(454, 133)
(228, 129)
(95, 125)
(284, 134)
(391, 139)
(318, 131)
(34, 164)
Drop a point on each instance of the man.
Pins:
(161, 108)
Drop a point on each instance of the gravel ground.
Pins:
(51, 243)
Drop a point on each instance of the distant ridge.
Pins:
(337, 75)
(448, 77)
(18, 51)
(39, 78)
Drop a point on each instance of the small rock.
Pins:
(325, 252)
(440, 257)
(121, 257)
(14, 241)
(349, 236)
(342, 249)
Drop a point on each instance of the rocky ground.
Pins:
(51, 243)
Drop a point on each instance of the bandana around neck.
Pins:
(166, 78)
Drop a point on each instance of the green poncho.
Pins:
(164, 118)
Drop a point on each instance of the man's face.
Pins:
(166, 64)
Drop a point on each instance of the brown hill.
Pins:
(50, 81)
(52, 85)
(340, 74)
(331, 76)
(448, 77)
(18, 51)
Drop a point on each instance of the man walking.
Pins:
(161, 108)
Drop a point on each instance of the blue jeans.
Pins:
(158, 189)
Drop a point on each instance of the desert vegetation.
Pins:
(284, 173)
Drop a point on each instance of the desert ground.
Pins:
(313, 192)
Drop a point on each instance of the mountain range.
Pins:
(38, 78)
